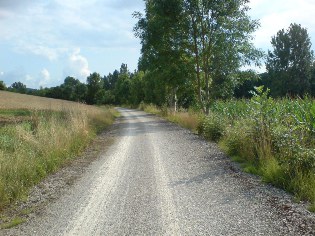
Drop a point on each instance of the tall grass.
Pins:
(34, 143)
(272, 138)
(187, 119)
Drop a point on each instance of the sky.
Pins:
(44, 41)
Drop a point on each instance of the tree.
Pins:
(68, 88)
(122, 86)
(220, 42)
(94, 86)
(80, 92)
(289, 65)
(313, 80)
(18, 87)
(2, 85)
(164, 56)
(137, 88)
(73, 90)
(208, 40)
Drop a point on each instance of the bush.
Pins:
(238, 141)
(212, 127)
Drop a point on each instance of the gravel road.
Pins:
(159, 179)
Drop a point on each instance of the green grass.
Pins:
(271, 138)
(36, 147)
(19, 112)
(14, 222)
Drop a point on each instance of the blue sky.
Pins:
(43, 41)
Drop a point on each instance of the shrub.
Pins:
(212, 127)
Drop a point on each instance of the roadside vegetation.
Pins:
(273, 138)
(39, 135)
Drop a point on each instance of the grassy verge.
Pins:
(270, 138)
(187, 119)
(35, 143)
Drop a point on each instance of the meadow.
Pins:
(40, 135)
(271, 138)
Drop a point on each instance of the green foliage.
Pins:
(14, 222)
(72, 90)
(212, 127)
(164, 58)
(289, 65)
(238, 140)
(261, 110)
(137, 88)
(18, 87)
(94, 85)
(122, 86)
(2, 85)
(272, 138)
(181, 41)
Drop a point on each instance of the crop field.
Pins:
(39, 135)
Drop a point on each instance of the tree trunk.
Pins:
(197, 58)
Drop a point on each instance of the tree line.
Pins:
(193, 52)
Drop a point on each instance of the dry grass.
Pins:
(10, 100)
(189, 120)
(38, 135)
(185, 119)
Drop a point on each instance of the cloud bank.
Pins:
(78, 66)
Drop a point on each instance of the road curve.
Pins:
(160, 179)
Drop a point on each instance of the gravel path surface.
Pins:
(159, 179)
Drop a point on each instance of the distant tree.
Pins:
(289, 64)
(54, 92)
(18, 87)
(68, 88)
(80, 92)
(94, 85)
(137, 88)
(109, 97)
(122, 86)
(124, 69)
(110, 80)
(250, 80)
(2, 85)
(73, 90)
(313, 80)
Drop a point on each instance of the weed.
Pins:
(12, 223)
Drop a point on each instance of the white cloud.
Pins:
(15, 75)
(30, 81)
(277, 15)
(78, 66)
(29, 78)
(44, 77)
(46, 52)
